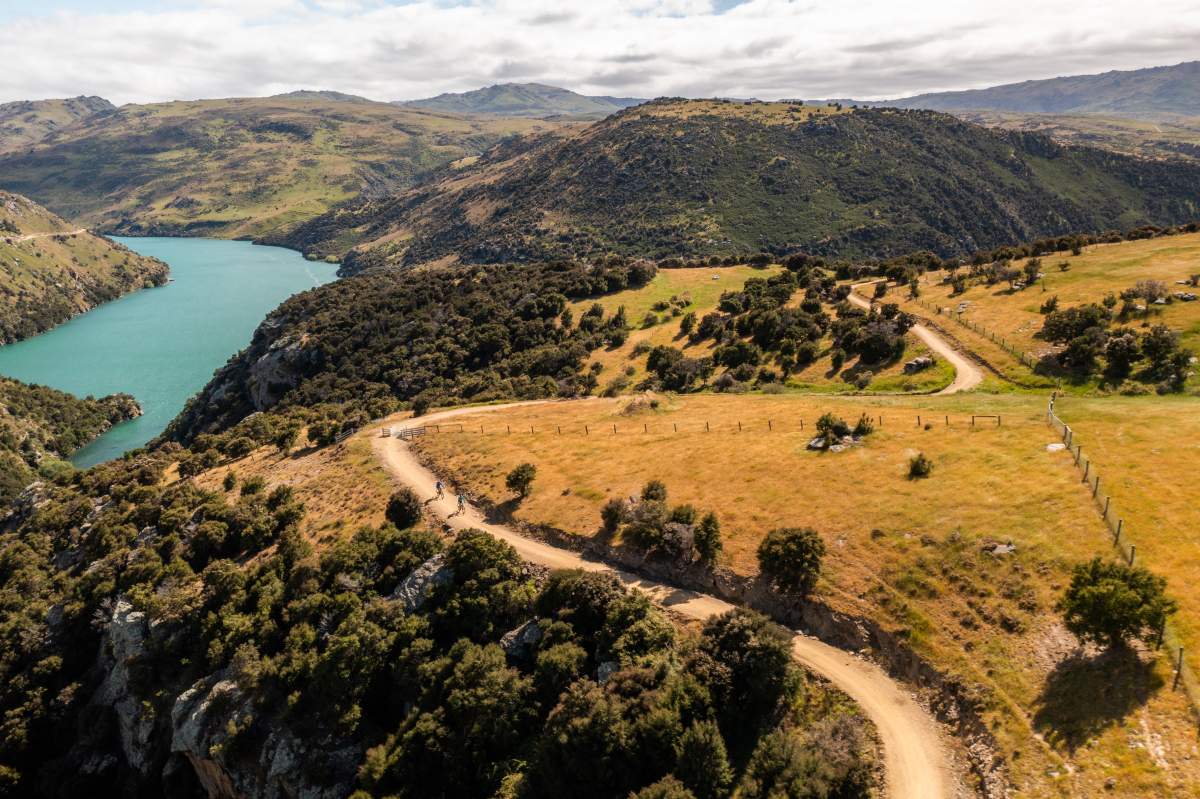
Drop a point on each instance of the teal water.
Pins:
(163, 344)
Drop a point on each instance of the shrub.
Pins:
(403, 508)
(703, 764)
(832, 428)
(791, 558)
(253, 485)
(863, 379)
(613, 514)
(864, 427)
(1050, 305)
(881, 289)
(683, 514)
(688, 323)
(837, 358)
(654, 491)
(919, 466)
(707, 540)
(1109, 603)
(520, 479)
(230, 481)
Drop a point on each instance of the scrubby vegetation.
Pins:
(1112, 603)
(40, 427)
(651, 524)
(834, 182)
(368, 344)
(791, 558)
(119, 582)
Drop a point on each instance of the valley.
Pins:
(567, 443)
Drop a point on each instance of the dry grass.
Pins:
(1101, 269)
(342, 487)
(907, 553)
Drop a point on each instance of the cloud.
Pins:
(184, 49)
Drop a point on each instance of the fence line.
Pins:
(634, 427)
(1021, 355)
(1122, 541)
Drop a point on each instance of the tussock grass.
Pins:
(908, 553)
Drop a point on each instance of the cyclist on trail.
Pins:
(441, 489)
(462, 504)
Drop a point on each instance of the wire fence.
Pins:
(879, 422)
(1123, 541)
(1000, 341)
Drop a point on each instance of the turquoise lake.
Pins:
(163, 344)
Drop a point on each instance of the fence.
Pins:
(1123, 541)
(1001, 342)
(891, 421)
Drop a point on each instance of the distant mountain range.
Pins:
(525, 100)
(1137, 93)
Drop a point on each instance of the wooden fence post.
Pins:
(769, 425)
(918, 420)
(585, 430)
(614, 429)
(530, 429)
(560, 429)
(1120, 525)
(1087, 465)
(509, 426)
(437, 428)
(706, 428)
(676, 426)
(645, 427)
(1178, 670)
(947, 421)
(1132, 553)
(739, 425)
(1096, 488)
(1107, 501)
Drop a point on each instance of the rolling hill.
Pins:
(51, 270)
(1144, 93)
(697, 178)
(1170, 137)
(239, 167)
(535, 100)
(27, 122)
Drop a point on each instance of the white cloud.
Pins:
(765, 48)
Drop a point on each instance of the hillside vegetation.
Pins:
(1171, 137)
(239, 167)
(51, 271)
(702, 178)
(965, 566)
(533, 100)
(26, 122)
(1141, 93)
(40, 427)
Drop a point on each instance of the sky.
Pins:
(147, 51)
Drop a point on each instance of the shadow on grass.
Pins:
(1084, 695)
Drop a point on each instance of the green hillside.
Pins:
(700, 178)
(26, 122)
(39, 426)
(240, 167)
(535, 100)
(51, 270)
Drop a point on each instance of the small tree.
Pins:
(703, 762)
(613, 514)
(881, 289)
(1109, 603)
(791, 558)
(654, 491)
(831, 428)
(708, 539)
(919, 466)
(403, 509)
(520, 479)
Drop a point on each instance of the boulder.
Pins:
(521, 643)
(414, 589)
(918, 364)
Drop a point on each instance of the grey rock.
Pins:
(414, 589)
(125, 641)
(520, 644)
(606, 669)
(918, 364)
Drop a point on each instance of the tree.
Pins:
(654, 491)
(666, 788)
(881, 289)
(703, 763)
(520, 479)
(708, 539)
(1109, 603)
(1121, 352)
(791, 558)
(831, 428)
(403, 508)
(755, 668)
(285, 437)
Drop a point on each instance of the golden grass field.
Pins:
(342, 486)
(703, 286)
(908, 553)
(1100, 269)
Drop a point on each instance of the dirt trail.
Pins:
(916, 763)
(966, 374)
(28, 236)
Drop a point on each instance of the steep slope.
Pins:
(239, 167)
(51, 270)
(534, 100)
(1137, 93)
(1169, 137)
(27, 122)
(701, 178)
(40, 424)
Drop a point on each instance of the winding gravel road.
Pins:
(967, 375)
(916, 763)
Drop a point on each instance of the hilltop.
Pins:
(27, 122)
(1143, 93)
(51, 270)
(238, 168)
(535, 100)
(695, 178)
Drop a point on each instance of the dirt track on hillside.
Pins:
(28, 236)
(916, 763)
(966, 374)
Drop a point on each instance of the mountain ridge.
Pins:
(537, 100)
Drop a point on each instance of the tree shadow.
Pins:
(1085, 694)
